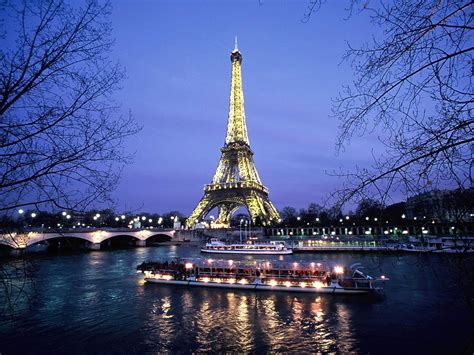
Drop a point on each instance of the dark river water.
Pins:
(96, 303)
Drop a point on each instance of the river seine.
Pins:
(96, 303)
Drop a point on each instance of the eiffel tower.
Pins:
(236, 182)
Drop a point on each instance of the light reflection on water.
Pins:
(97, 302)
(223, 320)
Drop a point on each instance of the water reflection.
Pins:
(98, 301)
(205, 320)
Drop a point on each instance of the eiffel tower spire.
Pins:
(236, 181)
(236, 127)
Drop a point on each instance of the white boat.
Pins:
(217, 246)
(262, 276)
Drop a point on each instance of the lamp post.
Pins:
(240, 230)
(250, 225)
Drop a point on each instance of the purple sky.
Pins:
(178, 86)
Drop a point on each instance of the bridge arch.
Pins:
(158, 238)
(119, 240)
(39, 238)
(59, 242)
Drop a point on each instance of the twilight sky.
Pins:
(177, 59)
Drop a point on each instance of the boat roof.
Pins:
(259, 264)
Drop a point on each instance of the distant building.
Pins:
(442, 205)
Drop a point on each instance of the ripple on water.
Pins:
(96, 301)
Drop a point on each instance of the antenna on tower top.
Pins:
(236, 46)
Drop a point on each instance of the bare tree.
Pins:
(413, 83)
(60, 135)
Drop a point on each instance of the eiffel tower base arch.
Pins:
(230, 200)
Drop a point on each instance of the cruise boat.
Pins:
(309, 277)
(217, 246)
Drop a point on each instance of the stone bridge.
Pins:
(92, 237)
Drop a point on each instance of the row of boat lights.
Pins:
(316, 284)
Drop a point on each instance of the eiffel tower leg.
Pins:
(259, 206)
(202, 208)
(225, 213)
(272, 211)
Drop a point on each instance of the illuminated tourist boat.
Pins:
(217, 246)
(308, 277)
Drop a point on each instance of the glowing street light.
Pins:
(117, 219)
(68, 216)
(20, 211)
(33, 215)
(64, 213)
(122, 216)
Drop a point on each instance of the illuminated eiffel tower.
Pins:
(236, 182)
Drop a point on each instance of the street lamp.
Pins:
(240, 230)
(33, 215)
(20, 211)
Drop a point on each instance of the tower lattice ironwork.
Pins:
(236, 182)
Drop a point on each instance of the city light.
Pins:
(20, 211)
(33, 215)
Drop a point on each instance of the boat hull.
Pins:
(253, 252)
(260, 287)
